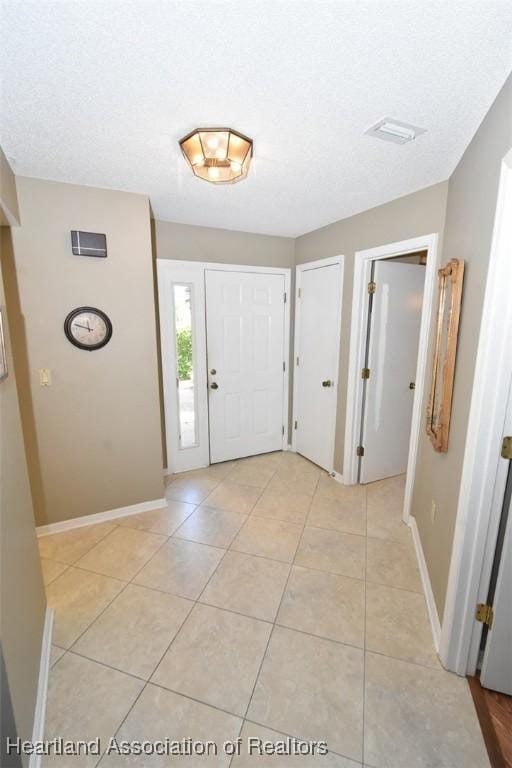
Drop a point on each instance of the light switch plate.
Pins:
(45, 377)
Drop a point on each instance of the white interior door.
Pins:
(496, 672)
(245, 321)
(392, 354)
(317, 349)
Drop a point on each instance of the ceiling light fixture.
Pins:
(395, 131)
(217, 155)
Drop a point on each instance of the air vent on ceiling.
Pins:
(394, 130)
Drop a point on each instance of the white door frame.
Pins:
(479, 504)
(362, 261)
(299, 269)
(164, 268)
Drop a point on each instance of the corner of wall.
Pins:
(9, 211)
(23, 599)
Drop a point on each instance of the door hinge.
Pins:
(506, 448)
(296, 424)
(365, 373)
(372, 287)
(485, 614)
(359, 450)
(299, 293)
(282, 431)
(285, 297)
(284, 366)
(297, 359)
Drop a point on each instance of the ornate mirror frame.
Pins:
(445, 351)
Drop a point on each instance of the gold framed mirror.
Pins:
(445, 352)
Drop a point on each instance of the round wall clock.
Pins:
(88, 328)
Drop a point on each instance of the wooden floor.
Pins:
(495, 716)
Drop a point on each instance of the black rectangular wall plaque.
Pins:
(89, 244)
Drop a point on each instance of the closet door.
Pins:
(317, 350)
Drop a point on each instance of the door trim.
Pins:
(299, 270)
(362, 260)
(198, 268)
(478, 506)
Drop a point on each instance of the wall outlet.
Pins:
(433, 511)
(45, 377)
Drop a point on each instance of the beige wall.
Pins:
(22, 595)
(94, 435)
(180, 241)
(472, 195)
(418, 214)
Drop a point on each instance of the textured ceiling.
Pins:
(99, 93)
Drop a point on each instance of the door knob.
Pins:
(327, 383)
(214, 385)
(213, 371)
(412, 385)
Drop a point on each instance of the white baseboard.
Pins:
(42, 686)
(425, 580)
(100, 517)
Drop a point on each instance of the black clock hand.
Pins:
(85, 327)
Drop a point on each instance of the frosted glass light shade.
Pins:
(218, 155)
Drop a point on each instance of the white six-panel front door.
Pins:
(245, 345)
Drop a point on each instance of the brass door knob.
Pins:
(214, 385)
(327, 383)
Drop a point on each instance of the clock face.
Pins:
(88, 328)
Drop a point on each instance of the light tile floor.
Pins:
(265, 601)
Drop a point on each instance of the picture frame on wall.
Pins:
(3, 355)
(445, 353)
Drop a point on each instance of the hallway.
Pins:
(267, 600)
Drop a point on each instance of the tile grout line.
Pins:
(264, 656)
(194, 699)
(93, 622)
(130, 581)
(84, 570)
(299, 738)
(197, 601)
(223, 608)
(246, 616)
(148, 681)
(228, 549)
(126, 585)
(194, 602)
